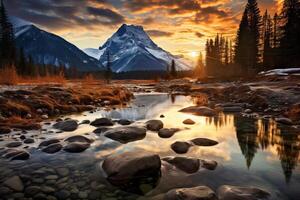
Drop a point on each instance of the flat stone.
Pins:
(180, 147)
(32, 190)
(167, 132)
(76, 147)
(102, 122)
(188, 122)
(186, 164)
(154, 125)
(14, 144)
(199, 111)
(51, 177)
(48, 142)
(68, 125)
(78, 138)
(126, 134)
(14, 183)
(52, 148)
(194, 193)
(228, 192)
(63, 171)
(204, 142)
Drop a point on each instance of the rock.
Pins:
(85, 122)
(204, 142)
(162, 116)
(14, 144)
(28, 141)
(48, 142)
(52, 148)
(45, 117)
(32, 190)
(68, 125)
(208, 164)
(23, 137)
(63, 171)
(62, 194)
(102, 122)
(199, 111)
(228, 192)
(195, 193)
(82, 195)
(125, 167)
(188, 122)
(76, 147)
(48, 189)
(186, 164)
(154, 125)
(126, 134)
(5, 190)
(51, 177)
(284, 120)
(4, 130)
(14, 183)
(180, 147)
(101, 130)
(78, 138)
(23, 155)
(124, 122)
(232, 109)
(248, 111)
(167, 132)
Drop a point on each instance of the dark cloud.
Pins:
(199, 35)
(158, 33)
(112, 16)
(61, 14)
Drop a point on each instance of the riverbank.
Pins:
(25, 107)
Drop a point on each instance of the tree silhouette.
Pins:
(173, 69)
(108, 71)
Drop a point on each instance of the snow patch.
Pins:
(94, 53)
(281, 72)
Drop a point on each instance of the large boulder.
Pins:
(167, 132)
(180, 147)
(126, 134)
(186, 164)
(195, 193)
(199, 111)
(154, 125)
(121, 169)
(228, 192)
(78, 138)
(68, 125)
(102, 122)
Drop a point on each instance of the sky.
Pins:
(178, 26)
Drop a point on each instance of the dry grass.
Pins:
(8, 76)
(49, 79)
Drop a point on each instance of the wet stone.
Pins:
(48, 142)
(32, 190)
(167, 132)
(79, 138)
(124, 122)
(14, 144)
(188, 122)
(204, 142)
(194, 193)
(102, 122)
(199, 111)
(52, 148)
(28, 141)
(208, 164)
(76, 147)
(228, 192)
(63, 171)
(186, 164)
(14, 183)
(126, 134)
(180, 147)
(154, 125)
(68, 125)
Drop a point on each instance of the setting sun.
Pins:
(193, 54)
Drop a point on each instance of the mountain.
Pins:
(131, 49)
(48, 48)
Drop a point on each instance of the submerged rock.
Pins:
(189, 122)
(186, 164)
(125, 168)
(208, 164)
(167, 132)
(101, 130)
(199, 110)
(14, 183)
(195, 193)
(180, 147)
(154, 125)
(78, 138)
(68, 125)
(204, 142)
(76, 147)
(102, 122)
(126, 134)
(52, 148)
(228, 192)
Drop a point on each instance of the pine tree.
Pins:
(21, 67)
(267, 31)
(226, 53)
(7, 45)
(199, 69)
(275, 31)
(173, 69)
(108, 72)
(290, 40)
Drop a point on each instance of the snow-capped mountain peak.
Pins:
(132, 49)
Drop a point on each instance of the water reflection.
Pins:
(266, 135)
